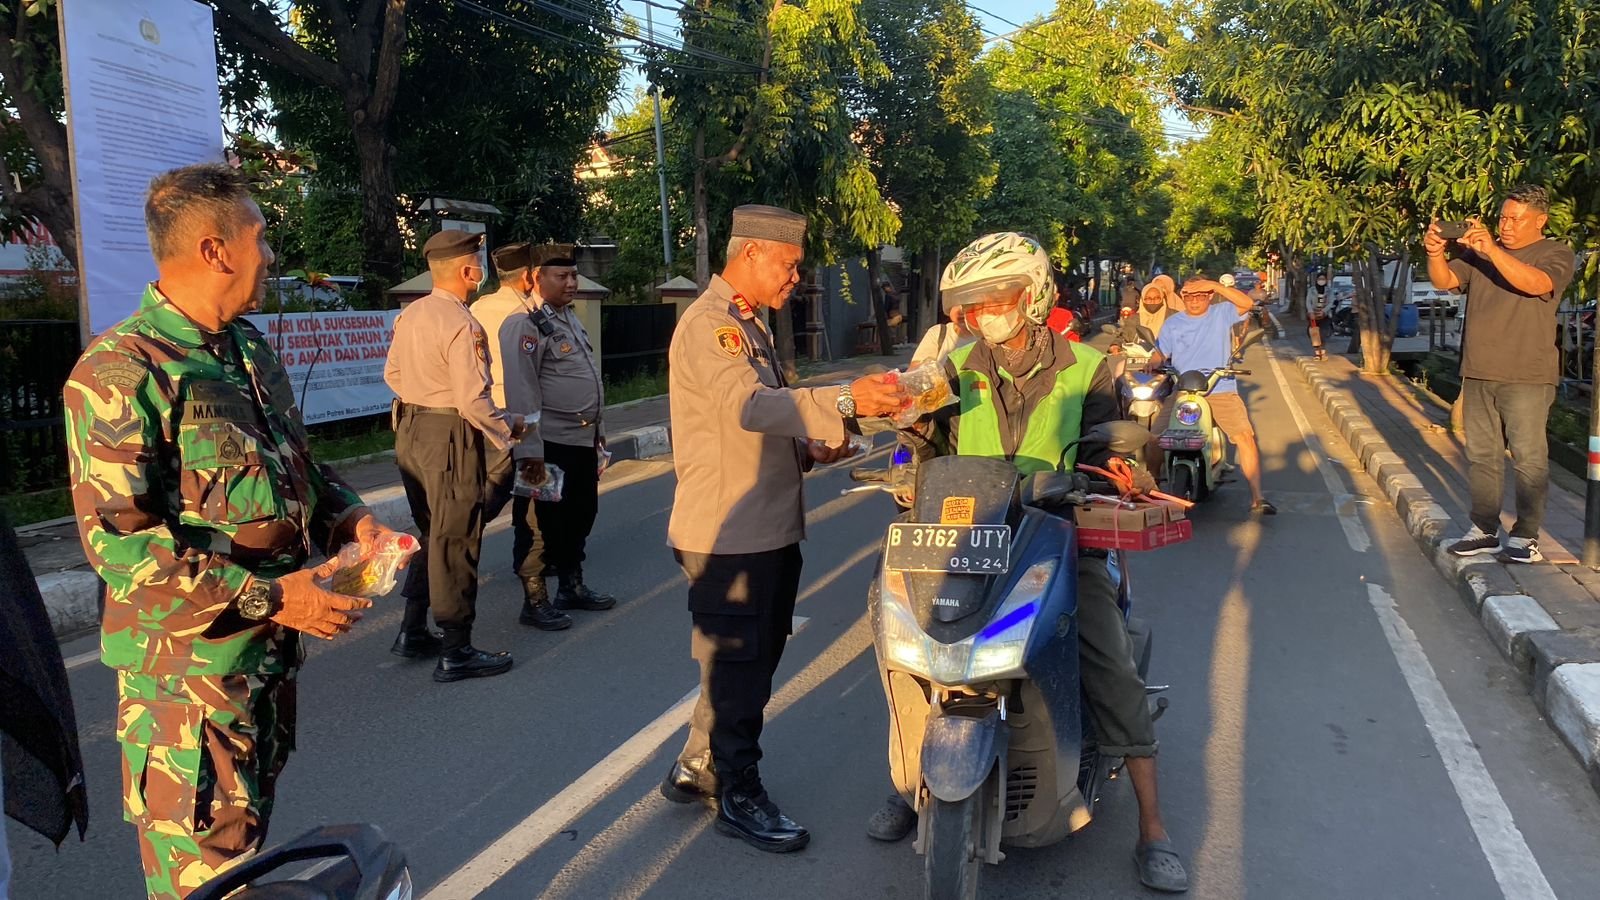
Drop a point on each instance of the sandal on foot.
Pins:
(893, 821)
(1160, 869)
(1264, 507)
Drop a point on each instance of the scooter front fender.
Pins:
(958, 752)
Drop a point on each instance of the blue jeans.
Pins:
(1501, 417)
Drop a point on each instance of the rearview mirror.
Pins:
(1121, 437)
(1251, 338)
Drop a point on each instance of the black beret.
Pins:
(452, 243)
(553, 255)
(512, 257)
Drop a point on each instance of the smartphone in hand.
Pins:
(1453, 231)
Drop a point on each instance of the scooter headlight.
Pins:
(1002, 645)
(997, 650)
(1189, 412)
(1144, 392)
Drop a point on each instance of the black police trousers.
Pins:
(527, 541)
(742, 605)
(441, 460)
(564, 526)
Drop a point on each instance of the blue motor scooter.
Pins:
(974, 617)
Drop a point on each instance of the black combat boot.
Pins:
(536, 608)
(746, 812)
(692, 779)
(574, 594)
(422, 644)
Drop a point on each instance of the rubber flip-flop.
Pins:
(893, 821)
(1160, 869)
(1265, 508)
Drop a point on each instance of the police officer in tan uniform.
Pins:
(562, 382)
(742, 440)
(512, 319)
(444, 413)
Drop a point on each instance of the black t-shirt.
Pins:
(1510, 336)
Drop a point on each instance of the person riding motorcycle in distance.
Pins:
(1025, 393)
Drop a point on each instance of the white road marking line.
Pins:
(1514, 865)
(1354, 533)
(526, 837)
(1515, 868)
(82, 659)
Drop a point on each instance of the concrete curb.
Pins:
(72, 597)
(1563, 664)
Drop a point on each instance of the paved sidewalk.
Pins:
(638, 429)
(1544, 618)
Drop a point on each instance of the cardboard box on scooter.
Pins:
(1111, 528)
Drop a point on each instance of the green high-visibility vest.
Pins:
(1056, 422)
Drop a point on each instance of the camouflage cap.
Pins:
(452, 243)
(769, 223)
(553, 255)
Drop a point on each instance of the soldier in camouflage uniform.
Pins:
(198, 503)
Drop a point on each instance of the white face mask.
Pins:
(997, 329)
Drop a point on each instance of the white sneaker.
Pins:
(1521, 550)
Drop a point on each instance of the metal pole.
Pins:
(1591, 513)
(661, 165)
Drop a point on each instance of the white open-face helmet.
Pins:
(1226, 280)
(994, 267)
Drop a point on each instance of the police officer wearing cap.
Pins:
(563, 384)
(742, 441)
(444, 415)
(516, 326)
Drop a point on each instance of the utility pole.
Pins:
(1591, 513)
(661, 157)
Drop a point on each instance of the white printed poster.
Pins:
(141, 99)
(334, 359)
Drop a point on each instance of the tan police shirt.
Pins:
(562, 382)
(440, 357)
(512, 339)
(738, 432)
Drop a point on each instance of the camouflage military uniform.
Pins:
(190, 473)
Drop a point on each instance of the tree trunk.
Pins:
(702, 217)
(1295, 283)
(380, 211)
(1376, 333)
(48, 198)
(880, 309)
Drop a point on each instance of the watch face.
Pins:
(256, 603)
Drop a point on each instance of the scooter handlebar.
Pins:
(869, 476)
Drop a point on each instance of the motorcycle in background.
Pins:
(1196, 449)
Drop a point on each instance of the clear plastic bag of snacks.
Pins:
(929, 389)
(548, 490)
(373, 574)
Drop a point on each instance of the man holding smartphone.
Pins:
(1509, 364)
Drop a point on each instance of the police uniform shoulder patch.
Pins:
(480, 343)
(731, 340)
(529, 344)
(125, 374)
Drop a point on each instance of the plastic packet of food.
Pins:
(602, 462)
(549, 490)
(856, 444)
(373, 574)
(929, 389)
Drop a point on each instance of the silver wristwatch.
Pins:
(847, 403)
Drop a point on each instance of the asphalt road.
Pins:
(1339, 725)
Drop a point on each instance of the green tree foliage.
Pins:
(926, 129)
(1365, 119)
(1214, 203)
(489, 111)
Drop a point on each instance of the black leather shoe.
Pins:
(417, 644)
(536, 608)
(691, 780)
(746, 812)
(574, 594)
(470, 662)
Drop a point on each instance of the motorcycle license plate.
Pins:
(960, 549)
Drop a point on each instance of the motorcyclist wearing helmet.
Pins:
(1026, 393)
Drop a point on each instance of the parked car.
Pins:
(1431, 302)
